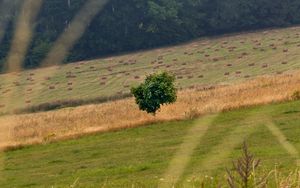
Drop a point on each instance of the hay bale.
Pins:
(215, 59)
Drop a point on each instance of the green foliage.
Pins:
(130, 25)
(157, 90)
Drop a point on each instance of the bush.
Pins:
(296, 95)
(192, 113)
(157, 90)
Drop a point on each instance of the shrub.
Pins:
(157, 90)
(243, 172)
(192, 113)
(296, 95)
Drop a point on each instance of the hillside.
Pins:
(110, 160)
(73, 93)
(222, 61)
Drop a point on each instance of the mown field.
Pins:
(222, 60)
(140, 157)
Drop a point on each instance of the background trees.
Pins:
(139, 24)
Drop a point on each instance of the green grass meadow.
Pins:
(139, 157)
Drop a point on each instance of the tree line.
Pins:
(124, 26)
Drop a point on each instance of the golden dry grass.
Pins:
(43, 127)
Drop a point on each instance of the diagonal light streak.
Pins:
(282, 139)
(183, 155)
(6, 13)
(22, 35)
(73, 32)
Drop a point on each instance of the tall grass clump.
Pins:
(296, 95)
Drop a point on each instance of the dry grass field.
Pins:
(209, 61)
(71, 122)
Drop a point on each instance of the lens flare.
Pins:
(73, 32)
(24, 31)
(6, 11)
(282, 139)
(20, 43)
(24, 27)
(23, 35)
(183, 155)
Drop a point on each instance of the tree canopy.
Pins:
(157, 90)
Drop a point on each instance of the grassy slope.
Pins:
(140, 156)
(200, 62)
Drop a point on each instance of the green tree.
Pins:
(157, 90)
